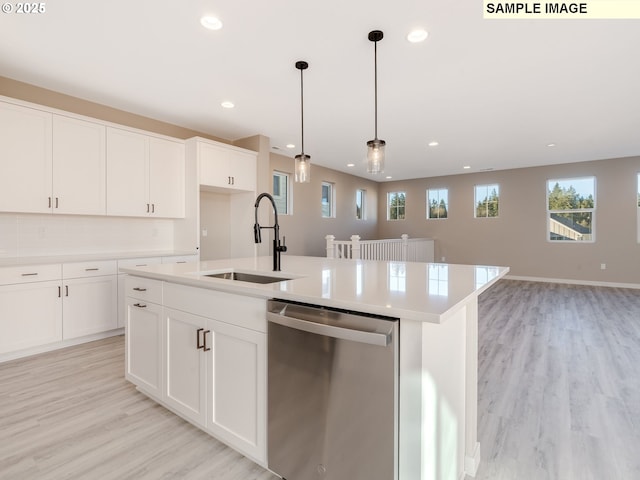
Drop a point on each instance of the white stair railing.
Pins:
(395, 249)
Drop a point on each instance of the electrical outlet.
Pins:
(204, 232)
(603, 266)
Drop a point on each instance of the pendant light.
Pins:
(302, 162)
(375, 147)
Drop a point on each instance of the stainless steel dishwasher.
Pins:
(333, 382)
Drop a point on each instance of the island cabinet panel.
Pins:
(185, 364)
(143, 333)
(214, 366)
(30, 315)
(26, 166)
(236, 407)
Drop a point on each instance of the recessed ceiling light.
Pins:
(212, 23)
(351, 164)
(551, 144)
(433, 144)
(417, 36)
(290, 145)
(467, 167)
(227, 104)
(389, 177)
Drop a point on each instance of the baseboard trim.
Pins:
(27, 352)
(574, 282)
(472, 463)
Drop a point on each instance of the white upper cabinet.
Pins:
(25, 159)
(145, 175)
(79, 171)
(226, 167)
(166, 177)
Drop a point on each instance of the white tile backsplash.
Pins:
(41, 235)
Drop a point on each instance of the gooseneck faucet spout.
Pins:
(277, 247)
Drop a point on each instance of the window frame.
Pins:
(446, 205)
(549, 211)
(475, 199)
(362, 193)
(332, 199)
(288, 194)
(404, 215)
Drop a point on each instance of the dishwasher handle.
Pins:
(372, 338)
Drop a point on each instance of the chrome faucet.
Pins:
(277, 247)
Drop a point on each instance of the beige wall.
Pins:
(305, 229)
(518, 237)
(41, 96)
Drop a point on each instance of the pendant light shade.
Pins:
(302, 162)
(375, 147)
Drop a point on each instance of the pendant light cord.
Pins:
(302, 107)
(375, 83)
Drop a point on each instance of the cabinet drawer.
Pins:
(30, 273)
(240, 310)
(138, 262)
(89, 269)
(143, 289)
(180, 259)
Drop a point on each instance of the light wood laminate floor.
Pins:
(559, 398)
(559, 382)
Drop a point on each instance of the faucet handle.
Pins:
(283, 247)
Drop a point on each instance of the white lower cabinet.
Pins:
(236, 400)
(185, 364)
(89, 306)
(214, 372)
(143, 353)
(30, 315)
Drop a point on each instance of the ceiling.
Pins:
(493, 93)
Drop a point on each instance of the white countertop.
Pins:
(87, 257)
(409, 290)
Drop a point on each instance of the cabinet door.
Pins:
(185, 365)
(127, 173)
(143, 358)
(89, 305)
(25, 159)
(166, 178)
(79, 175)
(237, 388)
(213, 166)
(30, 315)
(242, 168)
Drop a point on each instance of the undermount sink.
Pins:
(247, 277)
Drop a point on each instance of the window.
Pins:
(395, 205)
(327, 200)
(571, 209)
(281, 192)
(437, 203)
(487, 199)
(360, 204)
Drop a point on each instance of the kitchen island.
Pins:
(437, 383)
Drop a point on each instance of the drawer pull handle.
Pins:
(198, 338)
(59, 291)
(139, 305)
(29, 274)
(141, 265)
(182, 261)
(66, 290)
(138, 289)
(204, 335)
(91, 269)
